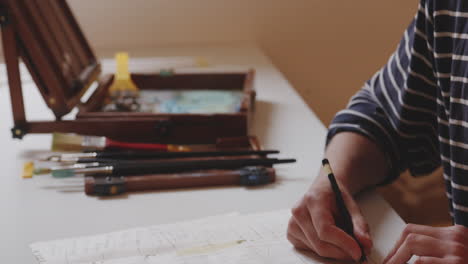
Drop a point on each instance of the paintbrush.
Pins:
(73, 142)
(40, 171)
(98, 162)
(91, 162)
(105, 186)
(249, 176)
(134, 155)
(138, 168)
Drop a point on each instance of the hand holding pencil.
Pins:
(319, 223)
(358, 164)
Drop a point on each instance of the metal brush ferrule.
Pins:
(77, 166)
(74, 157)
(92, 143)
(96, 170)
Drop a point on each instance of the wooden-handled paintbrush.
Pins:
(73, 142)
(249, 176)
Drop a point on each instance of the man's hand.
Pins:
(358, 163)
(433, 245)
(312, 226)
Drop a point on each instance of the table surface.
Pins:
(39, 209)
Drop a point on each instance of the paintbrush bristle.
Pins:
(67, 142)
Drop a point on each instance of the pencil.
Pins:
(346, 221)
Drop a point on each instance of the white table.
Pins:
(30, 212)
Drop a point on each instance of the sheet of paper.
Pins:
(255, 238)
(384, 223)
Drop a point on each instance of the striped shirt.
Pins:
(416, 107)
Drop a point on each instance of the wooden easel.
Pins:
(14, 49)
(45, 35)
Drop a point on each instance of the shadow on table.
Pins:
(79, 188)
(309, 255)
(182, 190)
(279, 181)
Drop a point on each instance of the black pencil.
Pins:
(346, 221)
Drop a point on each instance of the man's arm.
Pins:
(389, 126)
(358, 164)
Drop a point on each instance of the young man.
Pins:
(413, 114)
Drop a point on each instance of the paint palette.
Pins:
(179, 102)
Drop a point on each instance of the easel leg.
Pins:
(11, 54)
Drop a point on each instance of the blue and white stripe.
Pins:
(416, 107)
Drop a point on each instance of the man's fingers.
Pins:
(361, 228)
(356, 214)
(322, 248)
(298, 243)
(458, 233)
(453, 233)
(327, 231)
(297, 237)
(432, 260)
(409, 229)
(421, 245)
(301, 221)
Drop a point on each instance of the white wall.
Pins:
(327, 49)
(136, 23)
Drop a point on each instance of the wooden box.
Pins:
(46, 37)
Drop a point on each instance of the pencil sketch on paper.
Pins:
(256, 238)
(227, 239)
